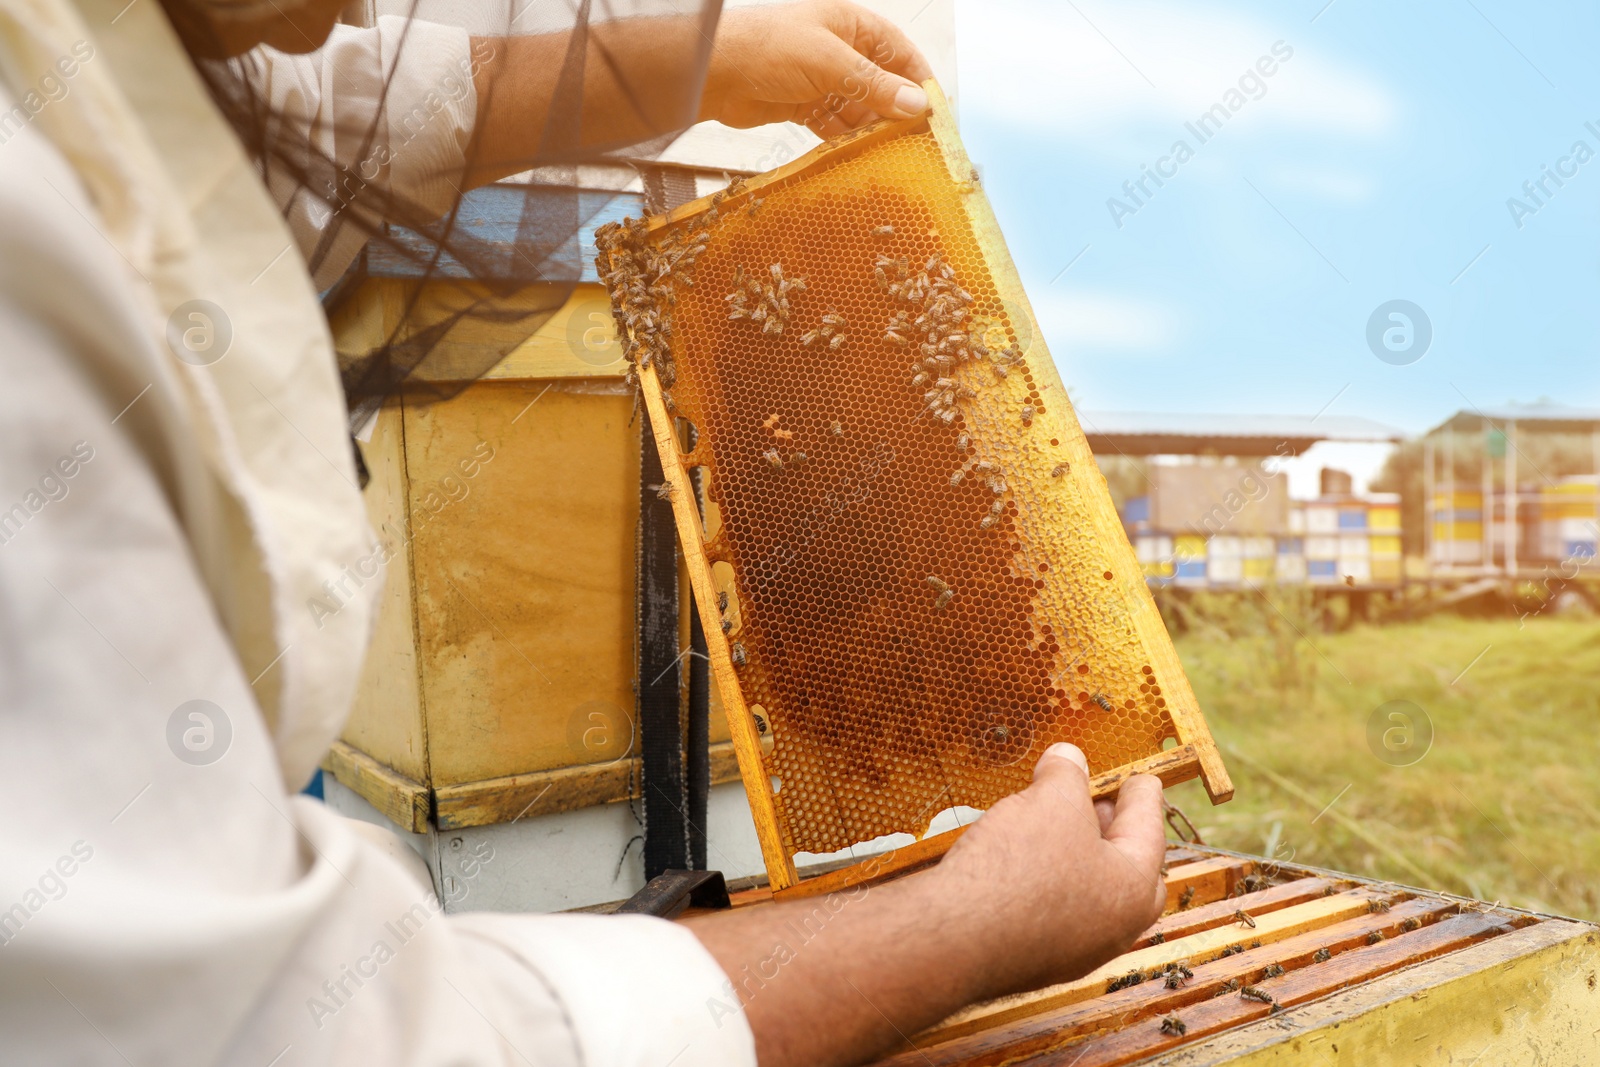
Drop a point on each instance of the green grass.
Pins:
(1504, 806)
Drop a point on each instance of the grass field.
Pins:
(1504, 805)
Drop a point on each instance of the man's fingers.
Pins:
(1106, 810)
(1136, 829)
(857, 78)
(883, 42)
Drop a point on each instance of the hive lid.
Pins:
(910, 572)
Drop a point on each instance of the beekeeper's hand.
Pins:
(1077, 880)
(828, 64)
(1047, 886)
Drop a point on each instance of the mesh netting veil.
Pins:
(595, 81)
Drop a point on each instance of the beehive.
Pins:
(912, 572)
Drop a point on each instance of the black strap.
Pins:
(663, 788)
(669, 892)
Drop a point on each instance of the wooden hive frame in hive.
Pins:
(1065, 466)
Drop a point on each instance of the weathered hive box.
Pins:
(1257, 963)
(500, 684)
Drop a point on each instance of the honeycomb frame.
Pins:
(1041, 485)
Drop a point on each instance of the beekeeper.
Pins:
(164, 517)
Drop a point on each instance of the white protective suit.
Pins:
(165, 898)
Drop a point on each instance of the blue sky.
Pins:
(1376, 165)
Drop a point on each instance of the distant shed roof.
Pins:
(1556, 418)
(1143, 433)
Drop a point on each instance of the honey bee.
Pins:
(1173, 1026)
(836, 429)
(797, 459)
(1158, 938)
(881, 278)
(664, 491)
(1059, 469)
(1242, 916)
(1410, 923)
(737, 654)
(895, 339)
(838, 341)
(1105, 705)
(773, 459)
(1250, 992)
(1000, 733)
(727, 626)
(987, 522)
(1374, 937)
(1000, 372)
(1231, 950)
(1124, 981)
(997, 485)
(937, 583)
(1185, 897)
(883, 231)
(1272, 970)
(755, 205)
(942, 601)
(722, 601)
(737, 312)
(983, 466)
(1027, 414)
(963, 443)
(809, 338)
(1322, 955)
(959, 476)
(920, 379)
(1376, 906)
(997, 507)
(777, 272)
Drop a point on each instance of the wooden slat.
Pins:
(520, 796)
(1211, 879)
(1436, 1009)
(403, 801)
(1194, 950)
(879, 868)
(1219, 912)
(1145, 1038)
(1052, 1029)
(1177, 854)
(741, 724)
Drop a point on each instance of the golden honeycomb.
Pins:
(913, 637)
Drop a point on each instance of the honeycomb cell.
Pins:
(908, 633)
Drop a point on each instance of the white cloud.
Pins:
(1103, 320)
(1043, 65)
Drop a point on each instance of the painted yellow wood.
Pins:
(1530, 996)
(741, 725)
(402, 800)
(386, 720)
(519, 796)
(524, 507)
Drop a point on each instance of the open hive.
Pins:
(912, 575)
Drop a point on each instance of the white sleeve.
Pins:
(420, 124)
(163, 898)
